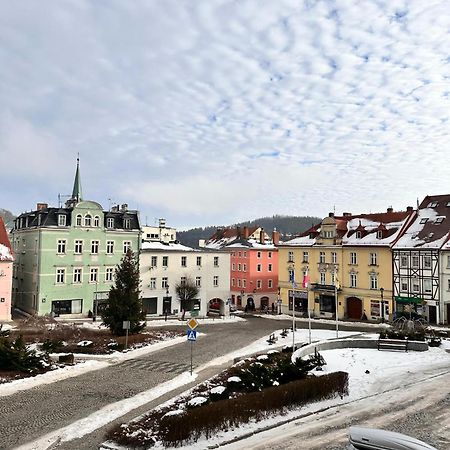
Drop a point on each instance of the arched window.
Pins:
(87, 220)
(79, 220)
(96, 221)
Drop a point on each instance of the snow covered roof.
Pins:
(249, 237)
(157, 245)
(431, 226)
(5, 246)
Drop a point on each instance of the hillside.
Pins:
(7, 216)
(288, 226)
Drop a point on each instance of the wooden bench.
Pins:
(392, 344)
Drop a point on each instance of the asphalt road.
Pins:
(28, 415)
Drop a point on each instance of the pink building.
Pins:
(254, 265)
(6, 269)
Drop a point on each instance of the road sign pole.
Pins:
(191, 356)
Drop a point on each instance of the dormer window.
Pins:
(379, 234)
(433, 205)
(96, 221)
(424, 220)
(127, 223)
(110, 222)
(61, 220)
(358, 235)
(439, 220)
(78, 220)
(87, 220)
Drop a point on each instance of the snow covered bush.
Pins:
(218, 393)
(196, 402)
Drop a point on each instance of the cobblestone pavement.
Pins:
(28, 415)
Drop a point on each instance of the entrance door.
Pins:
(167, 305)
(264, 303)
(354, 308)
(250, 304)
(432, 314)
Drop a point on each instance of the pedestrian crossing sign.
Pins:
(191, 335)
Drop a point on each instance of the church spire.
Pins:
(77, 195)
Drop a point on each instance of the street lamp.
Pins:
(382, 304)
(165, 301)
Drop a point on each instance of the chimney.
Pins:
(346, 214)
(238, 232)
(409, 208)
(124, 207)
(390, 209)
(261, 236)
(331, 214)
(275, 237)
(162, 223)
(201, 243)
(245, 232)
(40, 206)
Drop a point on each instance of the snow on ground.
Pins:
(95, 362)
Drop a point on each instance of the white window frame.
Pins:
(184, 261)
(290, 256)
(60, 275)
(126, 246)
(95, 245)
(198, 282)
(305, 257)
(233, 266)
(152, 284)
(404, 284)
(244, 282)
(110, 247)
(199, 261)
(61, 220)
(216, 281)
(427, 261)
(333, 258)
(258, 284)
(165, 261)
(244, 267)
(270, 283)
(87, 220)
(415, 284)
(96, 221)
(78, 247)
(216, 261)
(109, 274)
(415, 260)
(373, 281)
(269, 267)
(323, 278)
(321, 258)
(233, 282)
(79, 220)
(373, 259)
(93, 275)
(127, 223)
(61, 246)
(110, 222)
(258, 267)
(164, 282)
(353, 258)
(269, 254)
(258, 254)
(427, 286)
(153, 261)
(77, 275)
(353, 280)
(403, 260)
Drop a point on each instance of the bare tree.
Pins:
(187, 292)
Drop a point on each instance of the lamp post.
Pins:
(165, 303)
(382, 304)
(95, 302)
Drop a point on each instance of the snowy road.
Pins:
(417, 404)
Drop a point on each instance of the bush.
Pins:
(14, 355)
(177, 430)
(52, 345)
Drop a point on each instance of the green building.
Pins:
(66, 256)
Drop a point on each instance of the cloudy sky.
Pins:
(213, 111)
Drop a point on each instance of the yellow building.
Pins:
(347, 258)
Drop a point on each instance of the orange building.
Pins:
(254, 265)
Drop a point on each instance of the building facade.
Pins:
(342, 265)
(419, 263)
(6, 272)
(253, 265)
(66, 256)
(165, 263)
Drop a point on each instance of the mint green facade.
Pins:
(66, 257)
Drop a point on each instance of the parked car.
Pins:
(362, 438)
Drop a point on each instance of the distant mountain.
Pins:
(288, 226)
(8, 217)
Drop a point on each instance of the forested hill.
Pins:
(8, 217)
(288, 226)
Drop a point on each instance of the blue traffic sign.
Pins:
(191, 335)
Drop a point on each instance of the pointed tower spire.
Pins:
(77, 194)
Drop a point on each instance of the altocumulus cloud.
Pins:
(209, 111)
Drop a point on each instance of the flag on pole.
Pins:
(305, 280)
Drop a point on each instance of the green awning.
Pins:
(408, 300)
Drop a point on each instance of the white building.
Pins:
(160, 233)
(165, 264)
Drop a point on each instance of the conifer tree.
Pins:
(124, 302)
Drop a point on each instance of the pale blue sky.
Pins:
(213, 111)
